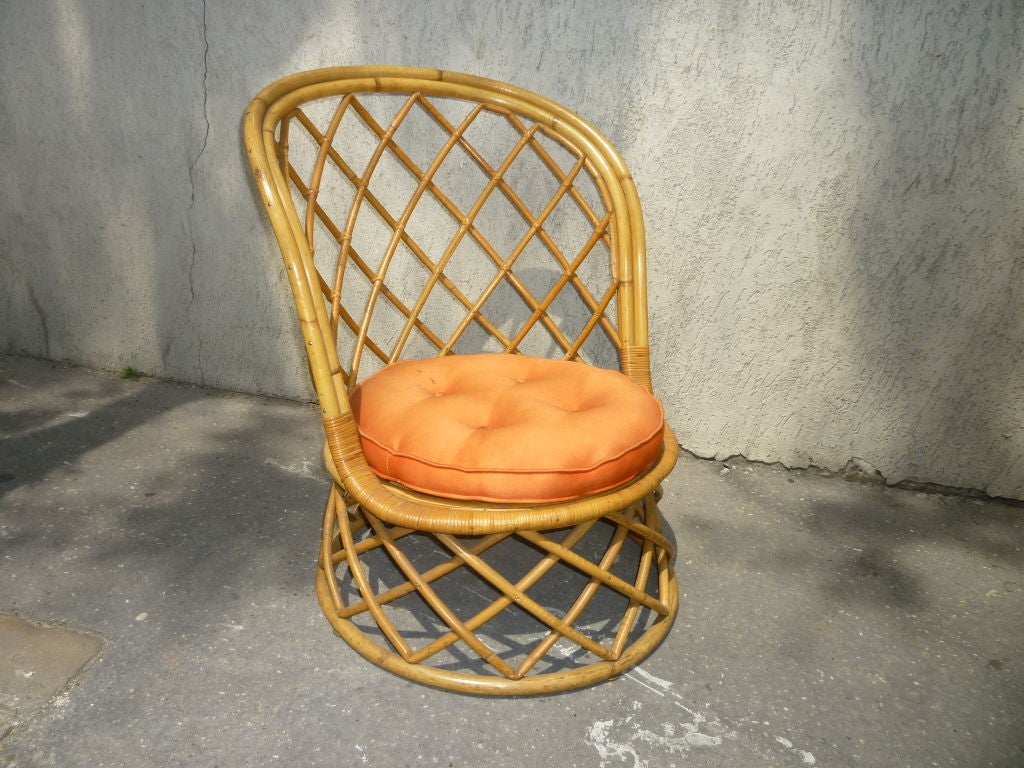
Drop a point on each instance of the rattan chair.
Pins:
(423, 214)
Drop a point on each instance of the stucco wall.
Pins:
(833, 194)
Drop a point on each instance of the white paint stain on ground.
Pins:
(805, 757)
(630, 741)
(600, 739)
(624, 739)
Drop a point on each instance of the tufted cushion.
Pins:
(506, 428)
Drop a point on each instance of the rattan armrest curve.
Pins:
(409, 509)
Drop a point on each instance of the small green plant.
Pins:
(130, 373)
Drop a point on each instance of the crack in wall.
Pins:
(856, 470)
(42, 321)
(192, 186)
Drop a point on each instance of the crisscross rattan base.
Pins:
(562, 655)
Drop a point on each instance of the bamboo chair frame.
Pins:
(364, 516)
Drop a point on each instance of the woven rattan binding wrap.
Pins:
(382, 185)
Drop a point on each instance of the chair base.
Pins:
(507, 614)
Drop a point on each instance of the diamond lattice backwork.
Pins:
(438, 226)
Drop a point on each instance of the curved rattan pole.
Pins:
(637, 263)
(568, 273)
(371, 167)
(579, 605)
(665, 572)
(615, 248)
(355, 568)
(318, 169)
(588, 568)
(435, 573)
(465, 219)
(643, 531)
(327, 539)
(528, 217)
(556, 170)
(281, 146)
(666, 578)
(371, 543)
(437, 605)
(534, 575)
(426, 181)
(527, 603)
(260, 147)
(453, 210)
(331, 551)
(650, 553)
(505, 273)
(597, 317)
(632, 612)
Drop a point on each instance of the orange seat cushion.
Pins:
(506, 428)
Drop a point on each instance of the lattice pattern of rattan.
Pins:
(345, 556)
(539, 220)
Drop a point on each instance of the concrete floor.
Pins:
(174, 529)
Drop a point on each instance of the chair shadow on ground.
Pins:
(863, 548)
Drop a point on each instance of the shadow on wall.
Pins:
(122, 240)
(134, 236)
(87, 115)
(931, 283)
(526, 45)
(131, 238)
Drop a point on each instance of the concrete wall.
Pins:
(833, 193)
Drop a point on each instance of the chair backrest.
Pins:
(422, 212)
